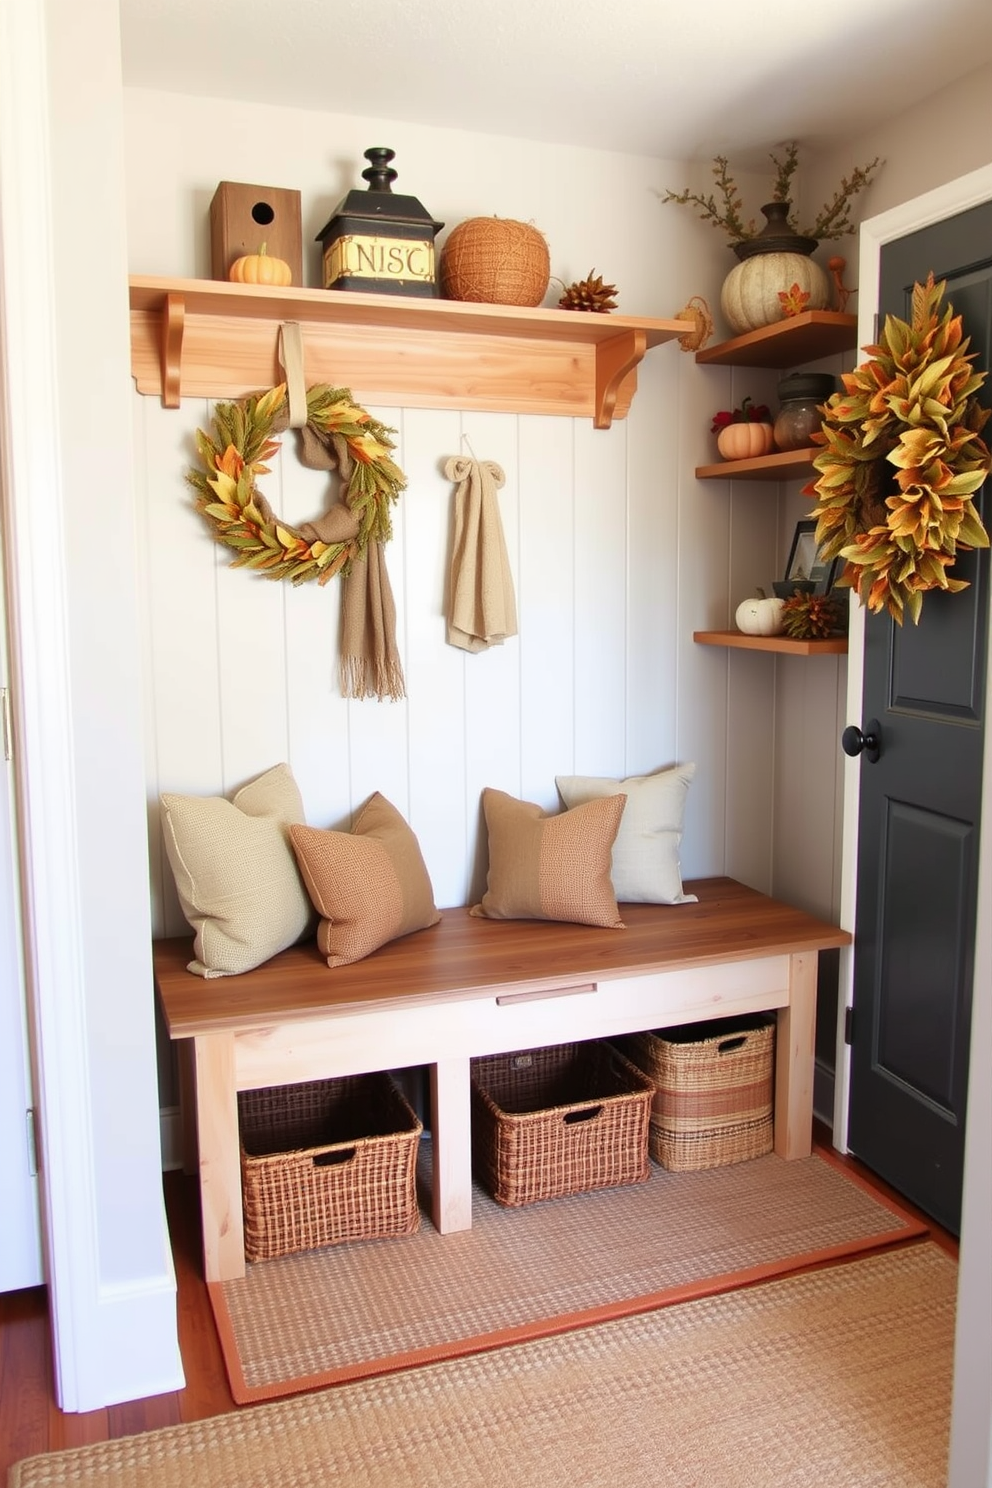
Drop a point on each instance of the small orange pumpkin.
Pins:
(745, 441)
(259, 268)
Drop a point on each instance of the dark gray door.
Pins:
(920, 811)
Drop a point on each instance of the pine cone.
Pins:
(812, 617)
(589, 294)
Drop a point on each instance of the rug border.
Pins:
(910, 1230)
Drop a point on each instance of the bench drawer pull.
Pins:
(509, 998)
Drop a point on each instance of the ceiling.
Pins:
(676, 79)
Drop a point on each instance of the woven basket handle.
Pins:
(334, 1158)
(727, 1045)
(588, 1113)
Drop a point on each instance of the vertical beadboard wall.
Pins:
(244, 673)
(617, 553)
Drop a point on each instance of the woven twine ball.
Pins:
(495, 261)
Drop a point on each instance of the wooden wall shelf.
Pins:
(209, 339)
(784, 645)
(800, 338)
(786, 465)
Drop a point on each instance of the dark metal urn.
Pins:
(776, 236)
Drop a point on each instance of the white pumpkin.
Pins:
(760, 616)
(749, 297)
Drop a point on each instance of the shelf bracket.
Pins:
(614, 359)
(173, 328)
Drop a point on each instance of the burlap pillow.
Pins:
(550, 867)
(370, 885)
(646, 867)
(235, 873)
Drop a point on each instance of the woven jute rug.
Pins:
(334, 1314)
(836, 1378)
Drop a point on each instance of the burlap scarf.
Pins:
(370, 661)
(482, 609)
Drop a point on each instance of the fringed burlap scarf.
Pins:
(482, 609)
(370, 661)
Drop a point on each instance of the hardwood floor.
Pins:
(30, 1421)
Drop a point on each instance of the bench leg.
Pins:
(451, 1178)
(794, 1052)
(219, 1159)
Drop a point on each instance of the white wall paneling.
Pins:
(244, 672)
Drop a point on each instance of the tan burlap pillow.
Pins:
(550, 867)
(370, 885)
(235, 873)
(646, 867)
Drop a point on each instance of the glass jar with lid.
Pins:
(800, 397)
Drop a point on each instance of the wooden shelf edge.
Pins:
(786, 465)
(591, 360)
(813, 334)
(735, 640)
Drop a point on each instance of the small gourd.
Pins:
(260, 268)
(745, 441)
(760, 616)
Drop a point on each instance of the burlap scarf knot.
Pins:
(482, 610)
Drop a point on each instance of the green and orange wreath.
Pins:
(240, 517)
(902, 458)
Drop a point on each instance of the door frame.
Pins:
(971, 1447)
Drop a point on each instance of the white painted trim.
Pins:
(110, 1343)
(971, 1427)
(37, 594)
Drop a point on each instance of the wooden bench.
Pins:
(467, 987)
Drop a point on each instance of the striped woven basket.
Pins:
(714, 1091)
(326, 1161)
(560, 1120)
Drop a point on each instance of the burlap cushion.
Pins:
(646, 867)
(370, 885)
(550, 867)
(235, 873)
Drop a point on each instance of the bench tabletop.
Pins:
(463, 956)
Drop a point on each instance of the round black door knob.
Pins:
(853, 741)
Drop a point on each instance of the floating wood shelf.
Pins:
(784, 645)
(800, 338)
(786, 465)
(209, 339)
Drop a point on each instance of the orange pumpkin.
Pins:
(259, 268)
(745, 441)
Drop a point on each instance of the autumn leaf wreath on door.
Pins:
(902, 459)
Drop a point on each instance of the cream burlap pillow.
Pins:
(235, 872)
(646, 867)
(550, 867)
(370, 885)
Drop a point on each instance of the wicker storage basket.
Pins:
(495, 261)
(561, 1120)
(714, 1090)
(326, 1161)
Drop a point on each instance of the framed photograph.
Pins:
(805, 566)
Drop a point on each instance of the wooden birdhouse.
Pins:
(379, 241)
(243, 217)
